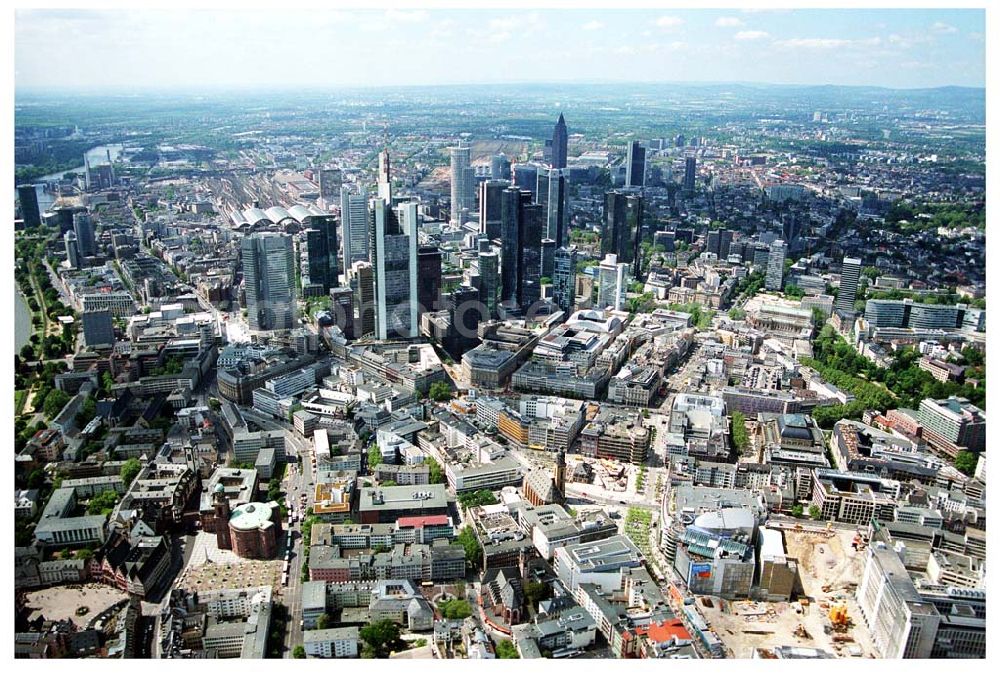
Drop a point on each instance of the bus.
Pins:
(567, 653)
(284, 579)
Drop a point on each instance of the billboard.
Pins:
(701, 570)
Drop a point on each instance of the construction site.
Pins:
(824, 615)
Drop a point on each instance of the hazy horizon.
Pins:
(244, 50)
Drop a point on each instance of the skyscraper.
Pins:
(725, 243)
(321, 250)
(331, 180)
(83, 225)
(316, 269)
(28, 198)
(384, 177)
(72, 249)
(564, 279)
(548, 257)
(394, 261)
(611, 283)
(774, 279)
(490, 196)
(622, 230)
(635, 165)
(354, 227)
(520, 253)
(462, 183)
(361, 277)
(428, 278)
(500, 167)
(526, 177)
(269, 274)
(560, 142)
(550, 193)
(98, 327)
(342, 310)
(489, 278)
(850, 274)
(690, 173)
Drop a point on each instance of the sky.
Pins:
(226, 49)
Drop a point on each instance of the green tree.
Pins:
(440, 391)
(374, 457)
(437, 475)
(814, 512)
(737, 314)
(54, 402)
(103, 503)
(473, 551)
(455, 609)
(797, 510)
(506, 650)
(323, 622)
(129, 470)
(966, 462)
(299, 652)
(740, 436)
(534, 592)
(380, 638)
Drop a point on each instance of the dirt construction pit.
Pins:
(829, 569)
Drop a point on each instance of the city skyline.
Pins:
(895, 47)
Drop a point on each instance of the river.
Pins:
(97, 155)
(22, 320)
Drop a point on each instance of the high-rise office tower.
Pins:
(712, 242)
(635, 165)
(72, 249)
(560, 142)
(490, 196)
(611, 275)
(269, 274)
(622, 230)
(850, 274)
(725, 243)
(679, 140)
(428, 278)
(690, 173)
(489, 278)
(354, 227)
(548, 257)
(83, 225)
(774, 278)
(531, 226)
(500, 167)
(520, 253)
(394, 259)
(564, 279)
(551, 196)
(465, 312)
(316, 269)
(331, 180)
(462, 183)
(342, 310)
(361, 277)
(384, 177)
(28, 198)
(323, 264)
(98, 327)
(526, 177)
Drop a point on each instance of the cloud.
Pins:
(751, 35)
(728, 22)
(415, 16)
(593, 25)
(944, 28)
(813, 43)
(669, 21)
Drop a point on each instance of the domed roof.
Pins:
(251, 516)
(219, 488)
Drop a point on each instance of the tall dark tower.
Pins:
(560, 475)
(221, 504)
(560, 140)
(28, 197)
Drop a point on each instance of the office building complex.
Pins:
(428, 278)
(269, 275)
(83, 226)
(690, 173)
(849, 276)
(560, 142)
(774, 277)
(490, 197)
(611, 286)
(635, 165)
(551, 196)
(621, 234)
(564, 279)
(28, 198)
(354, 227)
(520, 252)
(394, 262)
(462, 183)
